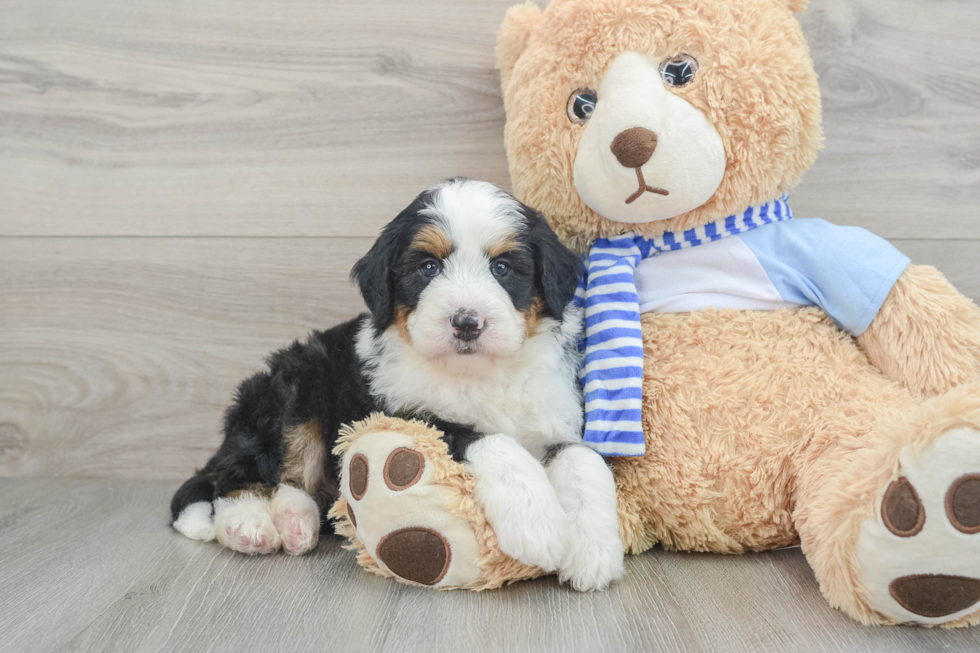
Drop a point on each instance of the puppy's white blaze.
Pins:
(519, 502)
(475, 215)
(194, 522)
(474, 211)
(586, 490)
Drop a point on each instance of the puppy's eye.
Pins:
(500, 268)
(581, 104)
(679, 70)
(430, 268)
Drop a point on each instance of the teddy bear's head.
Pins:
(655, 115)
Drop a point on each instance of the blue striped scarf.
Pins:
(612, 371)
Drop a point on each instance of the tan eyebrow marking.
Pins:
(504, 244)
(433, 240)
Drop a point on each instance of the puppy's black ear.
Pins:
(556, 268)
(372, 273)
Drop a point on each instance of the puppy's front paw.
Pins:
(534, 532)
(592, 565)
(586, 490)
(519, 502)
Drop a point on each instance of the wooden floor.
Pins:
(91, 565)
(184, 187)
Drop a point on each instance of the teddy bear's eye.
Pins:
(679, 70)
(581, 104)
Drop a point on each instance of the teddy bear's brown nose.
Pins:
(634, 146)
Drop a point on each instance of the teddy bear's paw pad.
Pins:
(963, 504)
(420, 555)
(403, 512)
(246, 526)
(403, 468)
(933, 595)
(919, 557)
(297, 519)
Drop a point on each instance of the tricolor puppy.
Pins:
(470, 328)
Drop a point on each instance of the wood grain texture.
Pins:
(120, 354)
(184, 187)
(303, 117)
(93, 566)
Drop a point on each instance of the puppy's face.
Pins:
(466, 270)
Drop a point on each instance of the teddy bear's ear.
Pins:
(796, 5)
(513, 36)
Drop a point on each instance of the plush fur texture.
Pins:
(756, 85)
(762, 428)
(458, 500)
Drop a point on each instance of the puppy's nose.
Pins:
(634, 146)
(466, 325)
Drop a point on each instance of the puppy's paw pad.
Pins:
(297, 520)
(252, 534)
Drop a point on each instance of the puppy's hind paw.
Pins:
(297, 519)
(245, 525)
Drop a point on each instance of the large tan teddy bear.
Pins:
(791, 381)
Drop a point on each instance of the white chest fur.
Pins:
(533, 397)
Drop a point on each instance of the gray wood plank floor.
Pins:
(183, 188)
(91, 565)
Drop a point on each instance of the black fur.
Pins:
(317, 380)
(377, 274)
(323, 380)
(557, 269)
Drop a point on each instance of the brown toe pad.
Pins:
(420, 555)
(902, 510)
(403, 469)
(934, 596)
(963, 504)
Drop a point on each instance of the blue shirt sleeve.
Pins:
(846, 271)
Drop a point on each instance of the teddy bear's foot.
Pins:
(400, 514)
(296, 518)
(411, 511)
(919, 556)
(244, 524)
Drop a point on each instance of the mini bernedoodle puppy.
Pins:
(471, 328)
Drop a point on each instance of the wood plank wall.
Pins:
(185, 185)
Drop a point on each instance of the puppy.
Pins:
(471, 328)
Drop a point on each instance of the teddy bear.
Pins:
(757, 380)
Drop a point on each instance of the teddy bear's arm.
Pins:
(926, 335)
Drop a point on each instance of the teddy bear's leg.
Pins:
(586, 489)
(890, 521)
(926, 335)
(411, 511)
